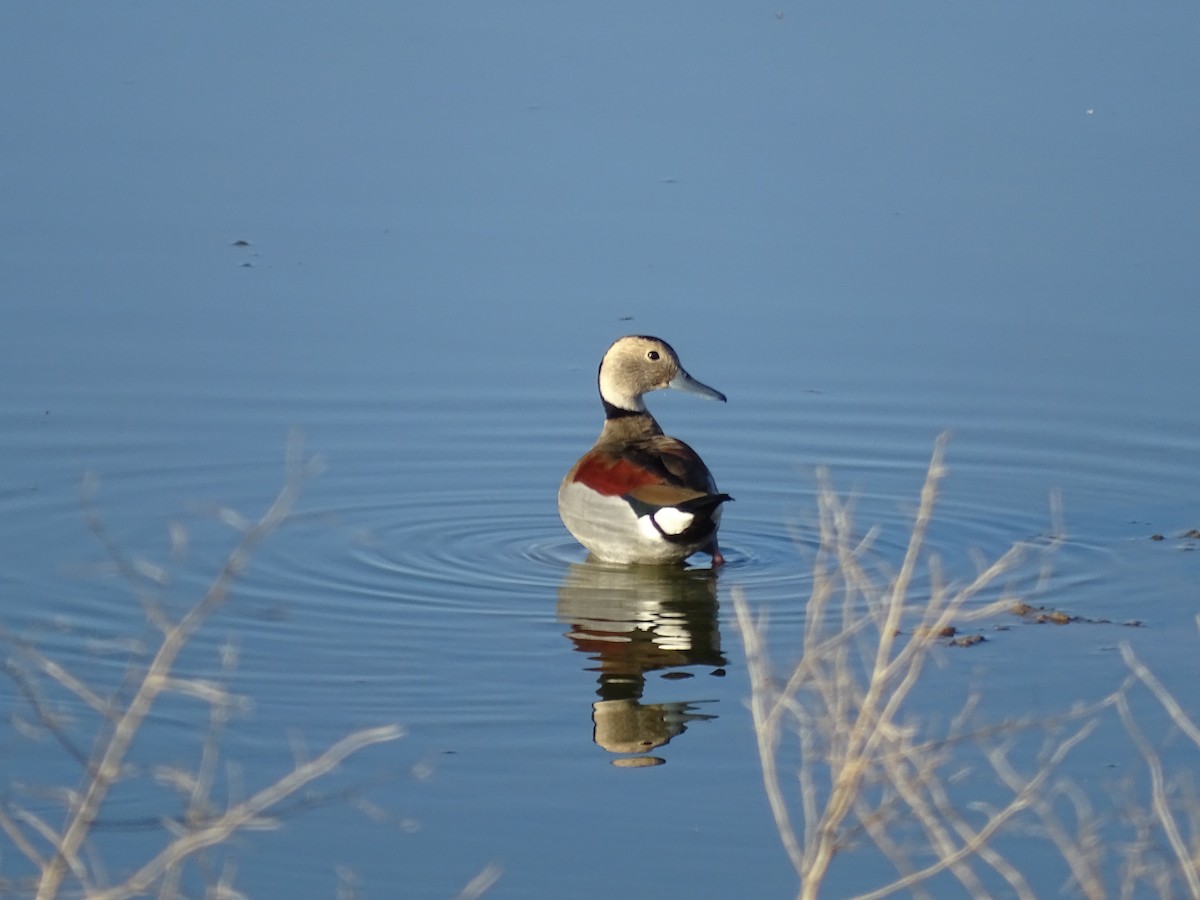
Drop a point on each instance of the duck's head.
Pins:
(638, 364)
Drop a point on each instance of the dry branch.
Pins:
(866, 770)
(123, 714)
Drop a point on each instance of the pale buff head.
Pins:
(638, 364)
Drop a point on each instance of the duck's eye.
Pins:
(653, 354)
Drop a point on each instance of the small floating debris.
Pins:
(1040, 614)
(638, 762)
(676, 676)
(967, 640)
(243, 244)
(949, 631)
(1190, 535)
(944, 632)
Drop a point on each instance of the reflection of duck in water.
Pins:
(626, 726)
(635, 620)
(639, 496)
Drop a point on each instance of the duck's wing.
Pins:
(659, 471)
(676, 464)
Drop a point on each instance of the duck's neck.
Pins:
(613, 411)
(627, 424)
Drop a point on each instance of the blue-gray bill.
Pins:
(689, 385)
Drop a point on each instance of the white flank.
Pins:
(646, 527)
(672, 520)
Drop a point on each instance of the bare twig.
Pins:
(123, 714)
(246, 812)
(863, 768)
(1158, 796)
(105, 769)
(482, 882)
(1169, 703)
(20, 841)
(766, 730)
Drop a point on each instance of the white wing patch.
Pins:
(669, 519)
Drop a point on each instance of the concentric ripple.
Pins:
(461, 549)
(504, 552)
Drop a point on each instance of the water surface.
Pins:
(410, 233)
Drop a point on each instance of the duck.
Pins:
(640, 496)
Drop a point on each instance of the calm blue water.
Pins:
(865, 224)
